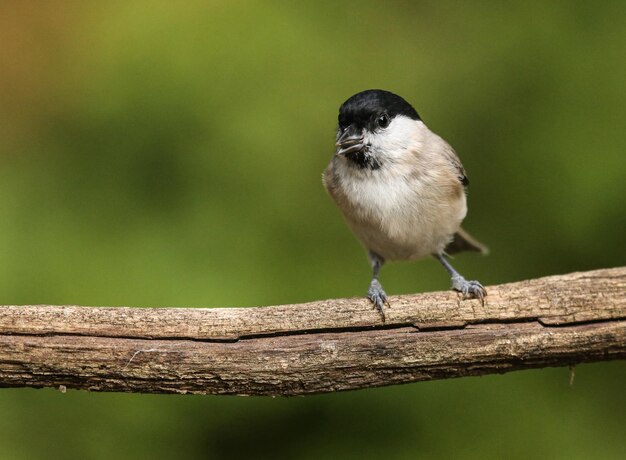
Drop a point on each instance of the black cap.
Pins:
(363, 107)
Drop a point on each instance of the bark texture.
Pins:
(316, 347)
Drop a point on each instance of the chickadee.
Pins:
(400, 187)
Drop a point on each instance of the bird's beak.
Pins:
(351, 140)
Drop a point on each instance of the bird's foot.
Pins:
(378, 297)
(469, 289)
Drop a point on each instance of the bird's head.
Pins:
(375, 125)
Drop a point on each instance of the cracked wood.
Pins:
(319, 346)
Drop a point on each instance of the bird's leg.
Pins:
(471, 289)
(375, 292)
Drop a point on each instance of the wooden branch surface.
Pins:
(319, 346)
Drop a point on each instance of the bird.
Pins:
(400, 187)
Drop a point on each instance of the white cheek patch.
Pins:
(393, 141)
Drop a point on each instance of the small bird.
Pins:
(400, 187)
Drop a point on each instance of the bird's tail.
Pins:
(463, 241)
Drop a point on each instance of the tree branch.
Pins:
(316, 347)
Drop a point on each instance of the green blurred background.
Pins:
(163, 154)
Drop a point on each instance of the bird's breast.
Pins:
(398, 215)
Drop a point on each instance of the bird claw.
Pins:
(378, 297)
(469, 289)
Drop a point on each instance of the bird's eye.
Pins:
(382, 120)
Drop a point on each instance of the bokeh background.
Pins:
(158, 153)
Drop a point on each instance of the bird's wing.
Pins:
(453, 158)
